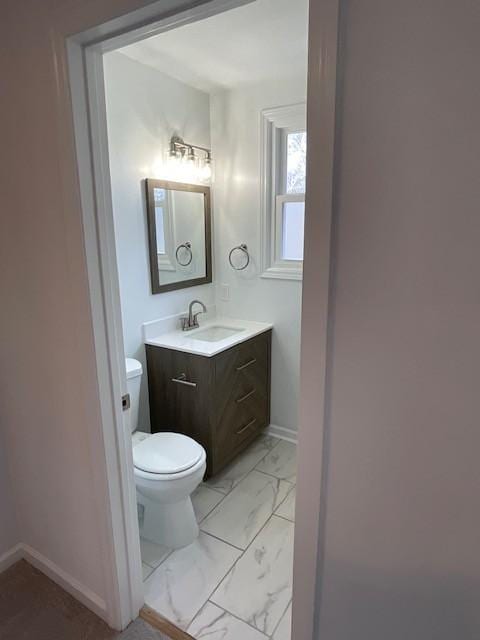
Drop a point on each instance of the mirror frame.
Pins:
(150, 185)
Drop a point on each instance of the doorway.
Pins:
(115, 379)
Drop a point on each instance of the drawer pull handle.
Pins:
(182, 379)
(247, 364)
(247, 426)
(247, 395)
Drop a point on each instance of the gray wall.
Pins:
(9, 536)
(402, 553)
(50, 410)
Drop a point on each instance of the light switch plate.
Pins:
(225, 292)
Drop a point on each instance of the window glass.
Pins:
(160, 227)
(296, 162)
(293, 219)
(159, 196)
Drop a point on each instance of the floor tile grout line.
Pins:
(213, 535)
(271, 514)
(149, 574)
(158, 566)
(270, 475)
(218, 583)
(283, 502)
(199, 526)
(243, 480)
(283, 517)
(250, 470)
(271, 450)
(213, 508)
(216, 490)
(221, 539)
(148, 565)
(238, 617)
(206, 486)
(234, 615)
(235, 564)
(257, 534)
(164, 558)
(230, 544)
(281, 617)
(242, 551)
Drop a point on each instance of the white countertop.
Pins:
(185, 340)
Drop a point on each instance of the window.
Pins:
(159, 195)
(283, 195)
(163, 229)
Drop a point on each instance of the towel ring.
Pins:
(188, 247)
(241, 247)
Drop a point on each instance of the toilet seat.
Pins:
(165, 478)
(167, 454)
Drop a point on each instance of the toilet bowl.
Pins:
(168, 467)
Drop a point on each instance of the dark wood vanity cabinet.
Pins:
(222, 401)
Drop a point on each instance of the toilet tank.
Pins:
(134, 378)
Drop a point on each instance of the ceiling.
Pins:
(261, 40)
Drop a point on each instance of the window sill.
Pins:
(282, 273)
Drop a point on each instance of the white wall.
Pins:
(144, 108)
(236, 146)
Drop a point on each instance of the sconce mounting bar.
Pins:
(176, 142)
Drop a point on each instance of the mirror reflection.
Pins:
(179, 234)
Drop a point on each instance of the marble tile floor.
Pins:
(235, 581)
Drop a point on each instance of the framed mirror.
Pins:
(179, 234)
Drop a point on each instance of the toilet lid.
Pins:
(166, 453)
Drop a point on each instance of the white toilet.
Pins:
(168, 468)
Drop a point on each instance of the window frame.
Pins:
(276, 124)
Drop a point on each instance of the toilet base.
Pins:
(173, 525)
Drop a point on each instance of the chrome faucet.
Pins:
(191, 321)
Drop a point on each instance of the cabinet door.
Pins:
(180, 393)
(242, 393)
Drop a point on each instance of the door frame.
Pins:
(83, 75)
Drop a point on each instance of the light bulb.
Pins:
(206, 172)
(191, 155)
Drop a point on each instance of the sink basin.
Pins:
(215, 333)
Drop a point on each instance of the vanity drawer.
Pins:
(240, 421)
(242, 400)
(241, 368)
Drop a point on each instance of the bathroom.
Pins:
(207, 148)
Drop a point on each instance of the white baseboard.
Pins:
(75, 588)
(70, 584)
(284, 433)
(10, 557)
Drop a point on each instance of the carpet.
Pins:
(32, 607)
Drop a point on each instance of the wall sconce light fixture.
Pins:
(188, 162)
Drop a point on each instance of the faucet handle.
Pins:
(195, 318)
(184, 323)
